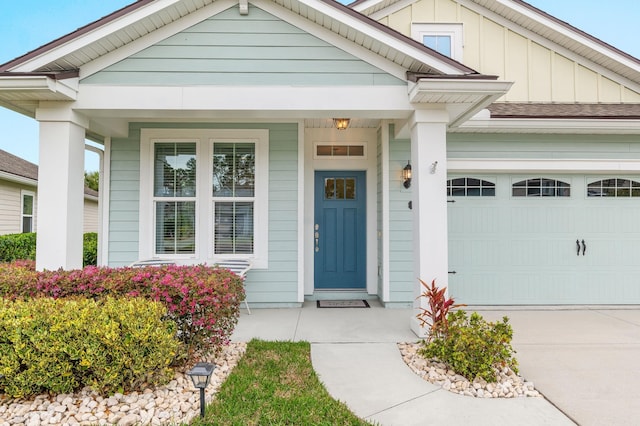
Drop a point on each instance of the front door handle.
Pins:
(584, 247)
(578, 244)
(316, 237)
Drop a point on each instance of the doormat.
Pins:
(342, 304)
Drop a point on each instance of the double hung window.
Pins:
(207, 194)
(27, 211)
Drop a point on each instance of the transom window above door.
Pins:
(541, 187)
(470, 187)
(614, 187)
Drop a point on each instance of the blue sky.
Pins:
(28, 24)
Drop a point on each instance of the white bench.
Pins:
(240, 267)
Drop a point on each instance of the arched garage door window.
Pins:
(541, 187)
(614, 188)
(470, 187)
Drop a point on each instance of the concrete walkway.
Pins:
(585, 361)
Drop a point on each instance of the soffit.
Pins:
(542, 24)
(96, 39)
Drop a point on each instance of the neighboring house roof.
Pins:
(17, 169)
(533, 20)
(14, 165)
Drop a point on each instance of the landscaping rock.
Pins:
(509, 384)
(176, 403)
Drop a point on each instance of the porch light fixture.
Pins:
(201, 376)
(341, 123)
(406, 175)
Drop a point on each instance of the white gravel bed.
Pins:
(509, 384)
(174, 403)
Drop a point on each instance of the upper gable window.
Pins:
(614, 188)
(443, 38)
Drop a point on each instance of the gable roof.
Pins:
(143, 17)
(23, 171)
(537, 21)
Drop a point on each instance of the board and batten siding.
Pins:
(401, 280)
(540, 73)
(231, 49)
(276, 285)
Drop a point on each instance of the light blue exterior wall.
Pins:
(401, 279)
(278, 284)
(543, 146)
(230, 49)
(380, 211)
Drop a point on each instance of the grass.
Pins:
(275, 384)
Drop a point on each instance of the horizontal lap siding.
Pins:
(124, 194)
(543, 146)
(279, 282)
(401, 279)
(230, 49)
(10, 205)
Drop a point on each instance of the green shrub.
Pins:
(203, 301)
(23, 246)
(60, 346)
(473, 347)
(17, 246)
(90, 249)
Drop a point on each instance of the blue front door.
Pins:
(340, 230)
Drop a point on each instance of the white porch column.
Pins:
(429, 180)
(60, 189)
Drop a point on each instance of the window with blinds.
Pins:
(174, 190)
(233, 196)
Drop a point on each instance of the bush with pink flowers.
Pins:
(203, 301)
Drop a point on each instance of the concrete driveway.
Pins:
(585, 361)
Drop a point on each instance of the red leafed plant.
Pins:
(435, 315)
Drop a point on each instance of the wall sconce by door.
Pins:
(341, 123)
(406, 175)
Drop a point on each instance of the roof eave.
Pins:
(34, 86)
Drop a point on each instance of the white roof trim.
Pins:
(560, 126)
(37, 85)
(18, 179)
(100, 32)
(385, 38)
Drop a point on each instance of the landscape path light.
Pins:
(201, 376)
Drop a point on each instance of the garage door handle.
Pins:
(578, 244)
(584, 247)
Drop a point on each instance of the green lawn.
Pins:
(275, 384)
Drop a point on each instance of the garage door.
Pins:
(527, 240)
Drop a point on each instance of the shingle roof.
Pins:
(17, 166)
(565, 111)
(14, 165)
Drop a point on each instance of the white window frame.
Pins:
(204, 139)
(455, 31)
(31, 194)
